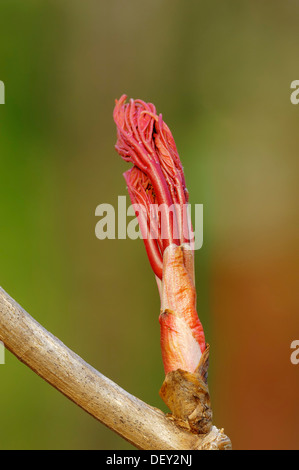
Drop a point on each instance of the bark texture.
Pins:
(144, 426)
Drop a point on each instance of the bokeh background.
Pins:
(220, 73)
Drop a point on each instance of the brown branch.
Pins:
(142, 425)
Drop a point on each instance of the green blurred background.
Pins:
(220, 73)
